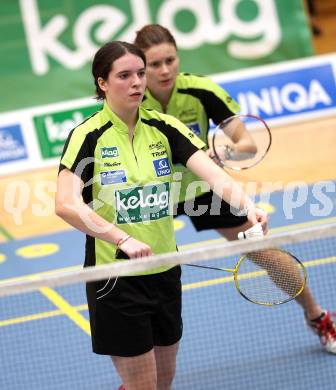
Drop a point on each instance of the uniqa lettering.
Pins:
(292, 97)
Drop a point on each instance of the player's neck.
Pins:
(129, 117)
(163, 98)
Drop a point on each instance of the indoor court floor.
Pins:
(228, 343)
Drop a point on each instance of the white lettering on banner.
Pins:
(12, 154)
(43, 41)
(7, 141)
(292, 97)
(266, 26)
(105, 21)
(204, 29)
(59, 131)
(317, 94)
(10, 148)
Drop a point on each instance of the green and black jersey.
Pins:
(129, 183)
(194, 101)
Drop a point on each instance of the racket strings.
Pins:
(241, 141)
(226, 150)
(270, 277)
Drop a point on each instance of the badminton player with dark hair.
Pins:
(112, 187)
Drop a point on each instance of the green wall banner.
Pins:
(53, 128)
(46, 46)
(280, 93)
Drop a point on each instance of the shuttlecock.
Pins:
(254, 232)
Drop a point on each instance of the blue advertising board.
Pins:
(286, 92)
(12, 145)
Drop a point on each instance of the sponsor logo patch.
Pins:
(195, 128)
(156, 146)
(109, 152)
(158, 154)
(162, 167)
(114, 164)
(112, 177)
(139, 204)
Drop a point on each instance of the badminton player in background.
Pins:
(135, 319)
(194, 100)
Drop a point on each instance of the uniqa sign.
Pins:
(292, 97)
(305, 87)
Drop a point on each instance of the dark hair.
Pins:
(105, 57)
(153, 34)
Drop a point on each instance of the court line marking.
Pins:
(67, 309)
(5, 233)
(39, 316)
(73, 311)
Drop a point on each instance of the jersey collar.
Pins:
(116, 121)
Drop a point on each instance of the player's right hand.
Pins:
(135, 249)
(258, 215)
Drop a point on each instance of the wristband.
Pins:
(122, 240)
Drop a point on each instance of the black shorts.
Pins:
(216, 214)
(140, 312)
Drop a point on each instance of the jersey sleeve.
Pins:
(182, 141)
(77, 156)
(217, 102)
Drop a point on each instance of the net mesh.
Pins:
(227, 342)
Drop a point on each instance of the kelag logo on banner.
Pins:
(286, 92)
(12, 146)
(53, 129)
(49, 45)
